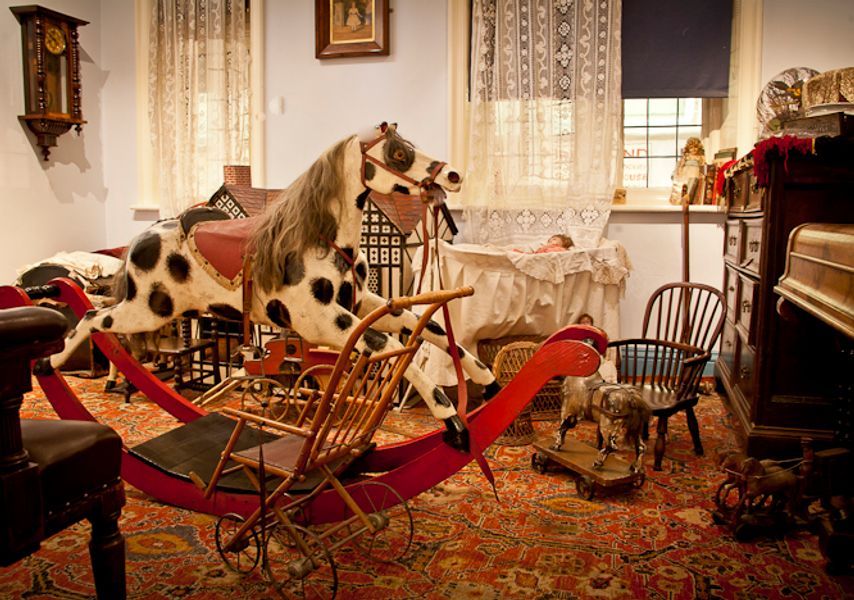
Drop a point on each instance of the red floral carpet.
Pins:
(539, 541)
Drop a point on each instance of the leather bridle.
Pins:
(424, 185)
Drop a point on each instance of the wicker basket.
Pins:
(547, 403)
(508, 361)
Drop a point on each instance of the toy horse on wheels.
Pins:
(620, 414)
(297, 266)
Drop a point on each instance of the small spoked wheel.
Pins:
(266, 392)
(584, 487)
(539, 462)
(391, 518)
(244, 553)
(298, 564)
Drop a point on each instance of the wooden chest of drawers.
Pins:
(781, 377)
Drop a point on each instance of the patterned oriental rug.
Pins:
(540, 541)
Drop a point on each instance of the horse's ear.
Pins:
(383, 126)
(392, 127)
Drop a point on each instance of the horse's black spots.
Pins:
(460, 351)
(225, 311)
(178, 267)
(479, 364)
(361, 272)
(400, 188)
(107, 322)
(375, 340)
(130, 292)
(294, 269)
(362, 198)
(322, 290)
(345, 295)
(490, 390)
(343, 321)
(370, 171)
(441, 398)
(90, 314)
(278, 313)
(160, 302)
(434, 327)
(146, 251)
(405, 331)
(396, 312)
(191, 314)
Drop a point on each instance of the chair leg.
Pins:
(107, 552)
(694, 428)
(660, 442)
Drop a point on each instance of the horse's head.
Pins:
(393, 166)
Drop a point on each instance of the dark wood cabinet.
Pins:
(782, 377)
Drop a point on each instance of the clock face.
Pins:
(54, 40)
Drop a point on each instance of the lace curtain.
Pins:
(198, 87)
(545, 138)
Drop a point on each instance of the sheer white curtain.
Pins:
(198, 96)
(545, 135)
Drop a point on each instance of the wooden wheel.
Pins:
(244, 554)
(539, 462)
(389, 514)
(268, 394)
(298, 564)
(584, 487)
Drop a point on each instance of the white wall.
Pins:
(57, 204)
(818, 34)
(326, 100)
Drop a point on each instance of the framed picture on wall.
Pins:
(351, 28)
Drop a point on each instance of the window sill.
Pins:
(665, 208)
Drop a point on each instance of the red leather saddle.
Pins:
(222, 245)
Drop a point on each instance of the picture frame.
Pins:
(346, 28)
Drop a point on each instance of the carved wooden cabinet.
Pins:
(782, 377)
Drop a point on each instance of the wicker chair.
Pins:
(508, 361)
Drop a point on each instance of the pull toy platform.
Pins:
(578, 457)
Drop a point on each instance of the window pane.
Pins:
(661, 172)
(634, 142)
(662, 141)
(634, 172)
(662, 111)
(690, 111)
(634, 112)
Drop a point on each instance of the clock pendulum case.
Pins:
(52, 87)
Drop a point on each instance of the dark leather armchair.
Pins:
(54, 473)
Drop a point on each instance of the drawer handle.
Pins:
(733, 240)
(744, 372)
(753, 246)
(732, 288)
(745, 306)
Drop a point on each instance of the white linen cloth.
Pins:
(523, 294)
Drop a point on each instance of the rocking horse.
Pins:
(297, 266)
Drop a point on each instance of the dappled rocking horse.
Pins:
(297, 266)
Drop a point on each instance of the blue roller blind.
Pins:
(676, 48)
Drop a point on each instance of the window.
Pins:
(654, 132)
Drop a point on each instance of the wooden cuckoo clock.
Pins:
(51, 73)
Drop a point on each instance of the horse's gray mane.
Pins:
(301, 217)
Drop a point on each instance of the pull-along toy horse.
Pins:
(618, 409)
(297, 266)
